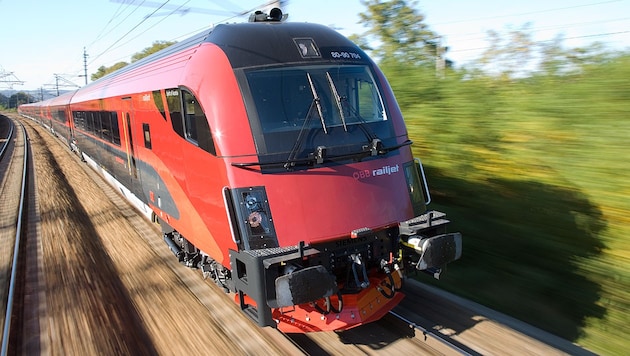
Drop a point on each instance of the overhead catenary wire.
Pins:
(175, 10)
(469, 41)
(128, 32)
(524, 13)
(117, 13)
(136, 4)
(152, 26)
(472, 36)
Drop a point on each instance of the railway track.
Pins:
(434, 339)
(390, 335)
(14, 165)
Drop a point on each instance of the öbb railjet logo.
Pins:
(385, 170)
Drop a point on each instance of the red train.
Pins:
(276, 160)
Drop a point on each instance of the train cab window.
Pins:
(196, 128)
(296, 109)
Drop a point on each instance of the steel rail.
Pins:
(435, 336)
(16, 249)
(6, 143)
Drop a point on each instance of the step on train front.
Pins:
(276, 160)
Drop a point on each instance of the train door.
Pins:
(70, 124)
(133, 173)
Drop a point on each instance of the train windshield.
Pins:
(298, 109)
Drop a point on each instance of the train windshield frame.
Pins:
(294, 110)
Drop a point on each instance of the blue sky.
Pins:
(41, 38)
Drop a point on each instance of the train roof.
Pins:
(269, 43)
(265, 43)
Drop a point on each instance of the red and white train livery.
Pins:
(276, 160)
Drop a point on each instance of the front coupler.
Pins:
(426, 242)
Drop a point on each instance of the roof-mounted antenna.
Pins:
(275, 15)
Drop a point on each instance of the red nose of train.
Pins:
(341, 312)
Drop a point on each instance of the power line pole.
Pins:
(65, 82)
(57, 83)
(85, 55)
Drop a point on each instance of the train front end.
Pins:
(330, 211)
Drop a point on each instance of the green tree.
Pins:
(398, 32)
(4, 101)
(595, 54)
(103, 71)
(20, 98)
(554, 60)
(157, 46)
(509, 55)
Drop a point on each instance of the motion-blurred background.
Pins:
(527, 149)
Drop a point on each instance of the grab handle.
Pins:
(424, 181)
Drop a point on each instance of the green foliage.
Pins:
(534, 173)
(527, 152)
(16, 100)
(508, 55)
(157, 46)
(400, 31)
(103, 71)
(4, 101)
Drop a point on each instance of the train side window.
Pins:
(147, 135)
(59, 115)
(106, 126)
(175, 110)
(88, 122)
(196, 126)
(190, 120)
(159, 104)
(115, 128)
(95, 122)
(79, 119)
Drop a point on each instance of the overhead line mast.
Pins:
(9, 79)
(85, 56)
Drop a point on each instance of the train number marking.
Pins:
(345, 55)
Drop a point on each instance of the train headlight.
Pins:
(254, 218)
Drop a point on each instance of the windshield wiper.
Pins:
(317, 101)
(333, 88)
(291, 160)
